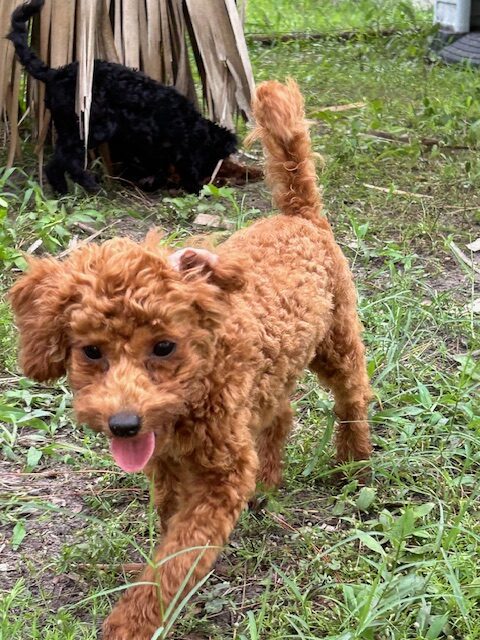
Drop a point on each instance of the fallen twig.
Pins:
(405, 139)
(97, 491)
(456, 209)
(215, 171)
(34, 246)
(51, 473)
(460, 255)
(128, 567)
(87, 240)
(344, 107)
(397, 192)
(8, 380)
(85, 227)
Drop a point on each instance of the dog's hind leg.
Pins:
(270, 443)
(340, 366)
(55, 171)
(70, 153)
(189, 178)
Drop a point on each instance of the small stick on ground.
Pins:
(215, 171)
(129, 567)
(85, 227)
(460, 255)
(404, 139)
(344, 107)
(397, 192)
(87, 240)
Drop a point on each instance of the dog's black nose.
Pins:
(124, 424)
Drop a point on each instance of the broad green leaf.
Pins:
(423, 509)
(365, 498)
(370, 542)
(436, 626)
(33, 457)
(19, 533)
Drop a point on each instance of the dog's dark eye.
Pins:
(92, 352)
(164, 348)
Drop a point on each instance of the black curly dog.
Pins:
(154, 131)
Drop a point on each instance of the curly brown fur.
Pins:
(247, 318)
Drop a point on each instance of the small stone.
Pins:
(475, 245)
(211, 221)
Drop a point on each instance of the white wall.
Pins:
(453, 15)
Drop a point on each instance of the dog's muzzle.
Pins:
(124, 424)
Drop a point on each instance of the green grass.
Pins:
(395, 560)
(321, 16)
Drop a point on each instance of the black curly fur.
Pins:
(153, 131)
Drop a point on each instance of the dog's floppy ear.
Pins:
(39, 299)
(226, 271)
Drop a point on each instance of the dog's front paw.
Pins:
(136, 616)
(113, 632)
(91, 185)
(122, 629)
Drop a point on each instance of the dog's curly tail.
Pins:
(290, 163)
(19, 36)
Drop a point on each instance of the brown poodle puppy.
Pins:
(186, 359)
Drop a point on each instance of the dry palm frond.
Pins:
(9, 80)
(225, 65)
(152, 35)
(88, 18)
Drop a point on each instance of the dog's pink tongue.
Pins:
(132, 454)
